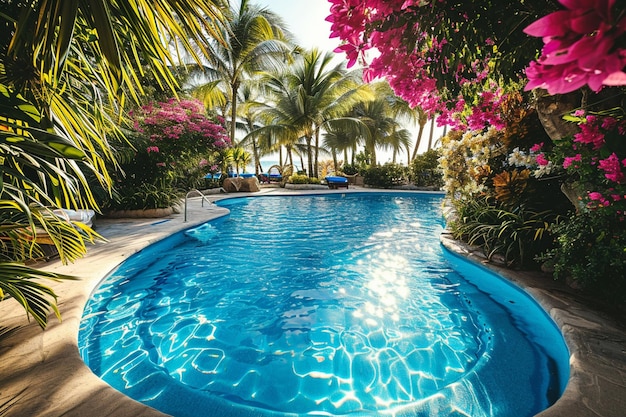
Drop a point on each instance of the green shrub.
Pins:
(173, 145)
(350, 169)
(519, 235)
(591, 250)
(145, 196)
(314, 181)
(298, 179)
(425, 170)
(385, 176)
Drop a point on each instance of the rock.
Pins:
(233, 185)
(250, 185)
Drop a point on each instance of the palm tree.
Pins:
(376, 115)
(249, 116)
(67, 69)
(253, 39)
(307, 96)
(401, 109)
(239, 157)
(338, 139)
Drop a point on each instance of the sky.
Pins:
(305, 19)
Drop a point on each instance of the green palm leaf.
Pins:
(18, 282)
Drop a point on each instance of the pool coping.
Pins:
(42, 373)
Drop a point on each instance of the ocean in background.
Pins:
(266, 164)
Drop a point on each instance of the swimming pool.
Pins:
(341, 304)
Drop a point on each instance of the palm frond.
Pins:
(19, 282)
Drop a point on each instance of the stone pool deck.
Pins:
(42, 374)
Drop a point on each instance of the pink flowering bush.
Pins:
(592, 243)
(594, 160)
(175, 127)
(460, 59)
(174, 145)
(583, 45)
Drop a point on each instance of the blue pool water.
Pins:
(342, 304)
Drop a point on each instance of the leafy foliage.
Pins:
(302, 179)
(67, 68)
(349, 169)
(591, 250)
(517, 234)
(425, 170)
(173, 144)
(40, 171)
(385, 176)
(19, 282)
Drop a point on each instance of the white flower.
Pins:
(543, 170)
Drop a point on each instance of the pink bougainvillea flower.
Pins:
(581, 47)
(536, 147)
(595, 196)
(590, 133)
(541, 160)
(612, 168)
(569, 161)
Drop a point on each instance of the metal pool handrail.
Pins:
(195, 190)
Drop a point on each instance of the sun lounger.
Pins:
(337, 182)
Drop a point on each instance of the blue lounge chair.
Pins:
(212, 180)
(336, 182)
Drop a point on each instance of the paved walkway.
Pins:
(42, 374)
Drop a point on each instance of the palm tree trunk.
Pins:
(233, 112)
(317, 153)
(418, 140)
(257, 162)
(432, 132)
(309, 155)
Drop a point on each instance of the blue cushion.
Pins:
(336, 179)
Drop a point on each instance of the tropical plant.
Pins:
(252, 39)
(172, 143)
(239, 157)
(249, 114)
(302, 179)
(308, 96)
(518, 235)
(590, 245)
(66, 72)
(425, 170)
(385, 176)
(146, 196)
(350, 169)
(339, 140)
(591, 252)
(40, 172)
